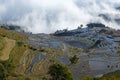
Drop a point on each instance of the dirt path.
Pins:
(8, 47)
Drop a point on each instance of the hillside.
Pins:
(92, 51)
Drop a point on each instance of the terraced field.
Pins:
(9, 45)
(27, 56)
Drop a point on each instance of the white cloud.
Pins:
(49, 15)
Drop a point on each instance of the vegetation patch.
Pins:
(3, 73)
(75, 50)
(115, 74)
(9, 45)
(59, 71)
(74, 59)
(12, 35)
(2, 43)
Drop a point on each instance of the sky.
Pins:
(47, 16)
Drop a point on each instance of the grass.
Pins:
(13, 51)
(16, 54)
(7, 49)
(115, 73)
(109, 76)
(75, 50)
(14, 60)
(13, 48)
(42, 68)
(2, 42)
(50, 51)
(12, 35)
(118, 49)
(26, 60)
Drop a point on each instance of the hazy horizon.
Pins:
(47, 16)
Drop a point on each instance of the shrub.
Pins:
(58, 71)
(20, 43)
(3, 73)
(44, 78)
(74, 59)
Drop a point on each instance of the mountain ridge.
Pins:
(90, 51)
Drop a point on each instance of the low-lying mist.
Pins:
(47, 16)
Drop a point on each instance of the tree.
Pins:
(80, 27)
(58, 71)
(74, 59)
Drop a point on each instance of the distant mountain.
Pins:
(11, 27)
